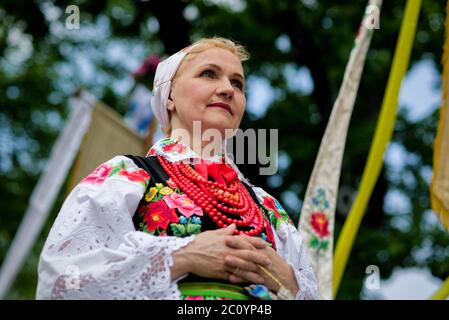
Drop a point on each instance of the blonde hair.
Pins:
(219, 42)
(215, 42)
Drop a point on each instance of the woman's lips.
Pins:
(221, 105)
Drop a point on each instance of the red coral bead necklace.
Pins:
(224, 204)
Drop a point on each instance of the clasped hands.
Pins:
(219, 254)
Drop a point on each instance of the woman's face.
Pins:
(210, 87)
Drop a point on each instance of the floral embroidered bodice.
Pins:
(166, 210)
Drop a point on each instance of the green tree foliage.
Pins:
(42, 63)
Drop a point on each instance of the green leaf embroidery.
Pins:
(193, 228)
(114, 171)
(277, 223)
(324, 244)
(122, 164)
(272, 217)
(314, 243)
(178, 229)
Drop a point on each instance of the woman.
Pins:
(182, 223)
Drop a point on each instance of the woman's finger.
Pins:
(236, 262)
(234, 279)
(253, 256)
(239, 275)
(245, 242)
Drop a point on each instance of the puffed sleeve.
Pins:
(289, 245)
(93, 250)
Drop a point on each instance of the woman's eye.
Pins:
(208, 74)
(237, 83)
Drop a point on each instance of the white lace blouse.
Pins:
(93, 250)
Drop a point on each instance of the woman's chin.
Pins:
(222, 126)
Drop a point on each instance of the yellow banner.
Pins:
(439, 188)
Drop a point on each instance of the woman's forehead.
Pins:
(219, 57)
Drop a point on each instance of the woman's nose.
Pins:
(225, 89)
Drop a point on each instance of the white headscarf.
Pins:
(165, 72)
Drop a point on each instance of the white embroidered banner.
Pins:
(316, 223)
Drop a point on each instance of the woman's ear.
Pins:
(170, 103)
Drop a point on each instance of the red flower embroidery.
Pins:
(268, 202)
(98, 175)
(174, 147)
(136, 176)
(159, 215)
(320, 224)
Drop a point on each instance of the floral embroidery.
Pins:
(276, 213)
(186, 226)
(158, 215)
(196, 220)
(99, 175)
(171, 184)
(184, 205)
(268, 202)
(140, 176)
(269, 236)
(175, 147)
(319, 222)
(157, 192)
(104, 171)
(177, 151)
(151, 194)
(166, 191)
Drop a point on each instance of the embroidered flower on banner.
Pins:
(320, 224)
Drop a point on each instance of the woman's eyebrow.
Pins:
(216, 66)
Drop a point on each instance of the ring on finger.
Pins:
(235, 271)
